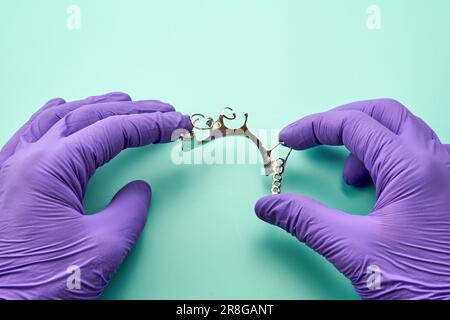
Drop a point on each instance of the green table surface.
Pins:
(278, 60)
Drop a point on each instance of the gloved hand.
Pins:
(401, 250)
(48, 248)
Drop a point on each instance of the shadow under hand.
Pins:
(146, 163)
(317, 173)
(295, 260)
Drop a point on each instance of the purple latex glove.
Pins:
(48, 248)
(401, 250)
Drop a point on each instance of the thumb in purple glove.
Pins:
(401, 250)
(49, 248)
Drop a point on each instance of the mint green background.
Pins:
(277, 60)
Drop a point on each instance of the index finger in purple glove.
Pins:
(98, 143)
(366, 138)
(394, 116)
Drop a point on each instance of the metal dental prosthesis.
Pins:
(219, 129)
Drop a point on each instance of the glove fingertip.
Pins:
(142, 184)
(55, 102)
(354, 173)
(142, 187)
(186, 123)
(172, 125)
(265, 205)
(285, 136)
(297, 136)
